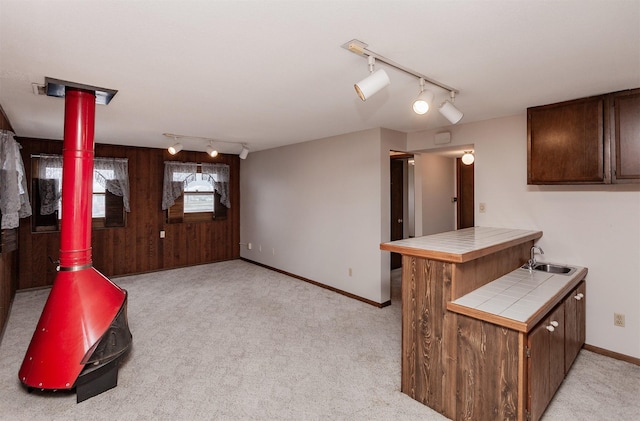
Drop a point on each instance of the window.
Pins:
(195, 192)
(110, 192)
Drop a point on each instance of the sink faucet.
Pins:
(532, 260)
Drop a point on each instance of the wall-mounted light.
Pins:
(175, 148)
(379, 79)
(423, 102)
(373, 83)
(468, 158)
(449, 111)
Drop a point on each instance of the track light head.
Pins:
(370, 85)
(244, 152)
(211, 151)
(449, 111)
(175, 148)
(422, 104)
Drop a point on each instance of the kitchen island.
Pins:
(436, 270)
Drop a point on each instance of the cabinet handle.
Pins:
(554, 323)
(550, 328)
(579, 297)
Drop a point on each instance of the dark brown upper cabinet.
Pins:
(625, 144)
(594, 140)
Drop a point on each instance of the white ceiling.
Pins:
(270, 73)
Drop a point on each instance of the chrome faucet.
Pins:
(532, 260)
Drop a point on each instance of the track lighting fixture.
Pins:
(175, 148)
(373, 83)
(244, 152)
(468, 158)
(423, 102)
(211, 151)
(379, 79)
(449, 111)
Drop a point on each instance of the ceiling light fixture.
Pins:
(380, 81)
(423, 102)
(175, 148)
(373, 83)
(210, 149)
(449, 111)
(468, 158)
(244, 152)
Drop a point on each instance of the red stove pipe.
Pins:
(82, 303)
(77, 180)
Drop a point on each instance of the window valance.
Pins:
(177, 175)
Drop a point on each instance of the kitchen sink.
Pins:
(552, 268)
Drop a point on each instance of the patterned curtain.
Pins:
(14, 198)
(218, 176)
(176, 177)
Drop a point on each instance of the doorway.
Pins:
(397, 189)
(465, 195)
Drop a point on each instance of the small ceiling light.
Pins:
(211, 151)
(449, 111)
(244, 152)
(468, 158)
(175, 148)
(423, 102)
(370, 85)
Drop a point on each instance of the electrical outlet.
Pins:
(618, 319)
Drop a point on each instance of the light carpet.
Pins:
(235, 341)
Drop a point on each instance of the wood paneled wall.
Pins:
(136, 248)
(8, 265)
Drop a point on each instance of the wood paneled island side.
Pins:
(437, 269)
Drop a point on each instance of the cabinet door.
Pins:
(626, 144)
(575, 318)
(556, 350)
(546, 362)
(566, 143)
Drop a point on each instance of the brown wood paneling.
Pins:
(472, 275)
(487, 374)
(422, 323)
(137, 247)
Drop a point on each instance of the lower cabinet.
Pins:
(546, 361)
(507, 374)
(575, 322)
(552, 347)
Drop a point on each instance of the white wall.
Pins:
(316, 209)
(593, 226)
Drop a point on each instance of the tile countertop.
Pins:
(461, 245)
(519, 299)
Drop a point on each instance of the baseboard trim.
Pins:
(330, 288)
(611, 354)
